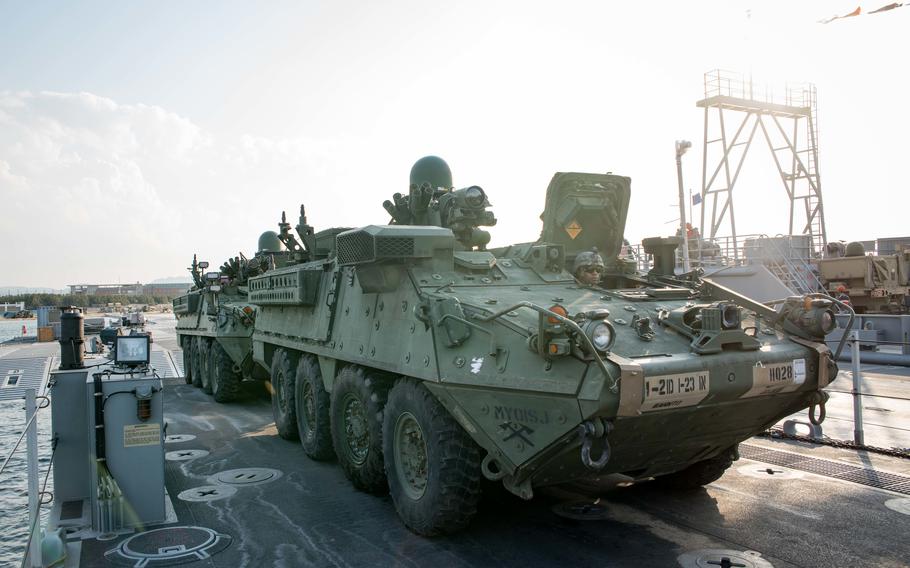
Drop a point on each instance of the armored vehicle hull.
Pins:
(424, 364)
(214, 329)
(215, 321)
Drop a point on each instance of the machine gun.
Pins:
(196, 270)
(461, 210)
(304, 249)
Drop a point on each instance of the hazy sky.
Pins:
(133, 134)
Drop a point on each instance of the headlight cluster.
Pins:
(554, 338)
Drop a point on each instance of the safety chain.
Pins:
(777, 433)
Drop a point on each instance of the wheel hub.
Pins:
(356, 429)
(411, 456)
(282, 393)
(309, 407)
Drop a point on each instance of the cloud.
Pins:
(94, 190)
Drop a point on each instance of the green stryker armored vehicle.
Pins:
(215, 321)
(425, 362)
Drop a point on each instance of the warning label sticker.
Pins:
(573, 229)
(141, 435)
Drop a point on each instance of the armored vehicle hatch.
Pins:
(583, 211)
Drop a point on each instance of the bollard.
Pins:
(31, 449)
(857, 394)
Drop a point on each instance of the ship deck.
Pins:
(793, 503)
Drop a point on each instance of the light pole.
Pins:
(681, 147)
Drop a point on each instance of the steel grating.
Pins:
(837, 470)
(903, 487)
(160, 360)
(177, 360)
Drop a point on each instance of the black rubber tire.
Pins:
(204, 349)
(224, 380)
(283, 379)
(197, 364)
(355, 384)
(187, 344)
(452, 491)
(315, 433)
(698, 474)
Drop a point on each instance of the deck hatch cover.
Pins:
(168, 546)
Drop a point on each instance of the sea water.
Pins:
(13, 481)
(12, 328)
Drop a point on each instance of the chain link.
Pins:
(777, 433)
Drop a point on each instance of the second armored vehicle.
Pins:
(873, 284)
(215, 322)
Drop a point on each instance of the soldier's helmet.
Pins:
(433, 170)
(586, 259)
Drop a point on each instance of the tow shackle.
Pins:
(819, 398)
(589, 431)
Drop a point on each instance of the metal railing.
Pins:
(725, 83)
(32, 556)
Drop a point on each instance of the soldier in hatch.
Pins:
(588, 268)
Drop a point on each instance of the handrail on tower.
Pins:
(735, 112)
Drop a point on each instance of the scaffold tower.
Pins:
(734, 113)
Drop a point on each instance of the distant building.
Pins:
(169, 289)
(11, 307)
(106, 289)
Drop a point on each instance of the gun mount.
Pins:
(463, 211)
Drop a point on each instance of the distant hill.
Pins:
(172, 280)
(12, 290)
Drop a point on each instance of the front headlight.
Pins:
(601, 335)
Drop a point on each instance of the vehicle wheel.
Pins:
(204, 351)
(283, 408)
(357, 402)
(197, 362)
(433, 466)
(700, 473)
(187, 344)
(313, 421)
(225, 381)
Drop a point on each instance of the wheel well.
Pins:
(328, 366)
(268, 352)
